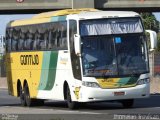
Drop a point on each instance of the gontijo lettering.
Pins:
(29, 59)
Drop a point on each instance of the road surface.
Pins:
(144, 109)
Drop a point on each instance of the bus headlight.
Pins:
(143, 81)
(90, 84)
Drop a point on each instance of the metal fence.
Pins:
(154, 64)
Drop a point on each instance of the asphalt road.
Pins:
(144, 109)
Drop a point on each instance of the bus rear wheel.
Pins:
(127, 103)
(71, 104)
(29, 101)
(21, 95)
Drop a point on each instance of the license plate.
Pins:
(119, 93)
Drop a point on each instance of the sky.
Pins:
(4, 19)
(157, 15)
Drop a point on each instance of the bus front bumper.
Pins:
(88, 94)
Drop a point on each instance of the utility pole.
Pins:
(72, 4)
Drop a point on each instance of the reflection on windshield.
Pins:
(98, 55)
(131, 55)
(106, 56)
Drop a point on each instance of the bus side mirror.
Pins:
(77, 44)
(152, 39)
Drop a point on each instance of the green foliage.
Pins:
(150, 21)
(158, 42)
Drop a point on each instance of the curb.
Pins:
(3, 83)
(3, 88)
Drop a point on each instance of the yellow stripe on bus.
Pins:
(108, 82)
(29, 22)
(62, 12)
(46, 17)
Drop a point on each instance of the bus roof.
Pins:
(62, 12)
(46, 16)
(103, 14)
(85, 13)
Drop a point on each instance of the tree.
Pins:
(150, 21)
(158, 42)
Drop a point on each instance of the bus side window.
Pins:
(54, 39)
(8, 40)
(63, 35)
(25, 41)
(57, 38)
(46, 39)
(42, 41)
(50, 39)
(15, 40)
(21, 41)
(29, 41)
(63, 44)
(14, 44)
(35, 41)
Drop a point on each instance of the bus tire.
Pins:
(127, 103)
(71, 104)
(29, 101)
(39, 102)
(21, 95)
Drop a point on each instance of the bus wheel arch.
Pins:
(65, 90)
(18, 87)
(24, 83)
(29, 101)
(67, 96)
(127, 103)
(20, 93)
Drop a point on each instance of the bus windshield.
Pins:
(105, 55)
(113, 46)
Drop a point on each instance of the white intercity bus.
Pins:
(79, 55)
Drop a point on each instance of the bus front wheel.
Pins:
(127, 103)
(71, 104)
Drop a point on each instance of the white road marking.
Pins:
(25, 110)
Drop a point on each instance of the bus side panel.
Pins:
(44, 72)
(49, 66)
(9, 74)
(24, 66)
(61, 73)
